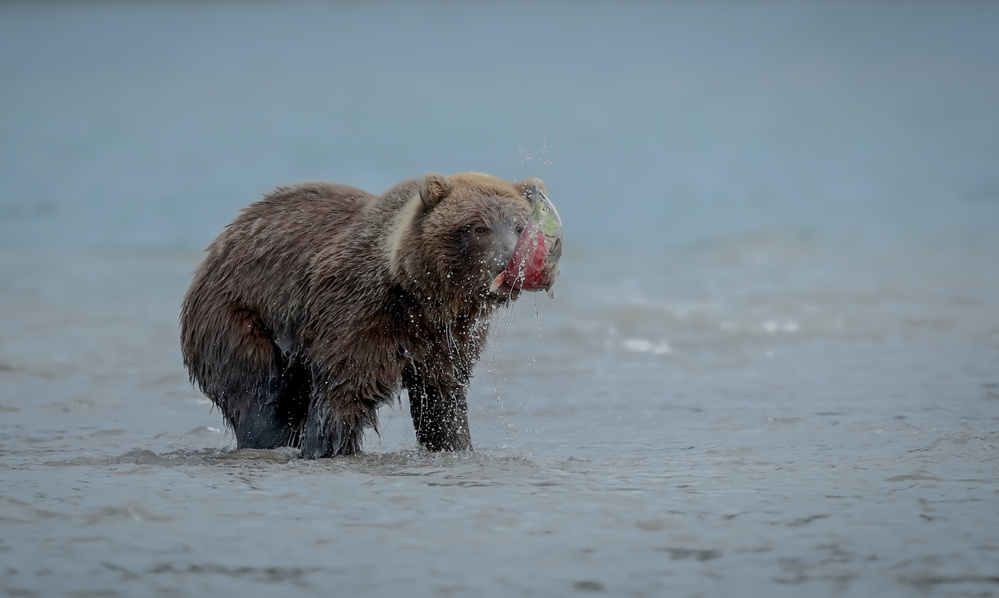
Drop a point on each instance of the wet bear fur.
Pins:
(321, 302)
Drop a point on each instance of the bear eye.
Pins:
(481, 230)
(520, 229)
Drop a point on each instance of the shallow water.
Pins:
(772, 364)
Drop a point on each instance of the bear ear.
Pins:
(434, 188)
(524, 186)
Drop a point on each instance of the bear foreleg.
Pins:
(440, 412)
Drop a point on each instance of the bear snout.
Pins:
(504, 240)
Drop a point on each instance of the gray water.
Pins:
(772, 364)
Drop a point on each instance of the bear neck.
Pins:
(444, 306)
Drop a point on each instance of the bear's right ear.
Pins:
(525, 185)
(434, 188)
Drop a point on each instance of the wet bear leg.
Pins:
(261, 394)
(274, 415)
(440, 413)
(335, 425)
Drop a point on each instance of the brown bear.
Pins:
(321, 302)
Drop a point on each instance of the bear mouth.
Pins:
(502, 291)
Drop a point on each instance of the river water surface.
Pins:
(771, 367)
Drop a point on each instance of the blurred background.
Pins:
(779, 299)
(661, 125)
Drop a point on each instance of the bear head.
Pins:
(456, 234)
